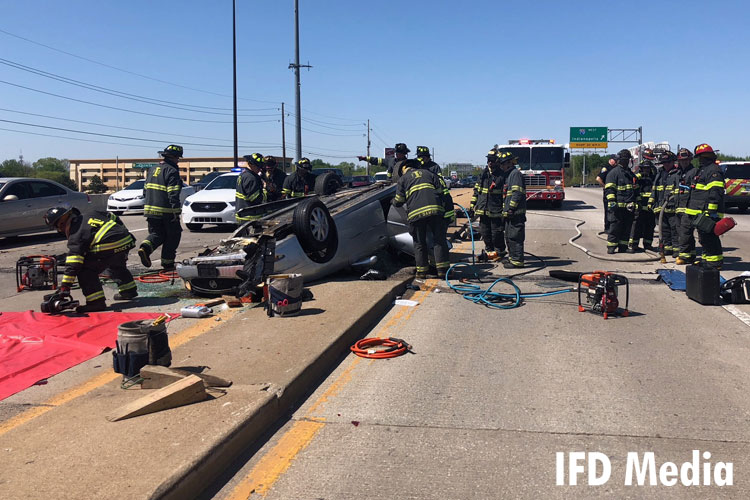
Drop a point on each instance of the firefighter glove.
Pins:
(362, 158)
(471, 212)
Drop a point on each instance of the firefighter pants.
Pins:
(620, 223)
(686, 238)
(418, 229)
(515, 234)
(606, 211)
(674, 227)
(164, 232)
(643, 227)
(712, 252)
(668, 233)
(88, 275)
(492, 231)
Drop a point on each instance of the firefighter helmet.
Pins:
(684, 154)
(56, 216)
(401, 148)
(703, 149)
(505, 156)
(255, 159)
(624, 154)
(665, 157)
(304, 163)
(648, 154)
(492, 155)
(172, 150)
(423, 151)
(269, 161)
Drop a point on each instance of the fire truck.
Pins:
(542, 163)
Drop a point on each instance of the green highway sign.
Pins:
(144, 165)
(588, 134)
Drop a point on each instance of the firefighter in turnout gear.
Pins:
(249, 188)
(163, 208)
(706, 201)
(644, 221)
(514, 209)
(301, 182)
(393, 164)
(487, 203)
(621, 202)
(423, 156)
(686, 230)
(96, 241)
(601, 179)
(424, 196)
(662, 201)
(273, 179)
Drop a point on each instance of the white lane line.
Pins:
(740, 315)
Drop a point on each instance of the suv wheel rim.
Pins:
(319, 224)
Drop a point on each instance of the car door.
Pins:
(44, 195)
(14, 213)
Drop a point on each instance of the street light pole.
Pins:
(296, 65)
(234, 75)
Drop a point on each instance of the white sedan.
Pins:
(131, 199)
(212, 205)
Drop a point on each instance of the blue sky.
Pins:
(455, 76)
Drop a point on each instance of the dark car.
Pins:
(206, 180)
(361, 180)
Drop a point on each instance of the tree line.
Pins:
(50, 168)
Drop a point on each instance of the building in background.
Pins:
(462, 169)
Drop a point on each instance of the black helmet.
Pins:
(401, 148)
(423, 151)
(684, 154)
(665, 157)
(492, 155)
(648, 154)
(255, 159)
(304, 163)
(646, 163)
(172, 150)
(412, 163)
(269, 161)
(56, 215)
(624, 154)
(505, 156)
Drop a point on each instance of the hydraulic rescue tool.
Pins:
(600, 289)
(57, 302)
(36, 272)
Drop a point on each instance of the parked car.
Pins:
(24, 201)
(737, 184)
(361, 180)
(380, 176)
(205, 180)
(212, 205)
(131, 199)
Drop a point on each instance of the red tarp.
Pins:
(34, 346)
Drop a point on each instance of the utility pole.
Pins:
(283, 139)
(367, 164)
(234, 75)
(296, 67)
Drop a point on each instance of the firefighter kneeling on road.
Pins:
(621, 202)
(96, 241)
(162, 209)
(423, 194)
(249, 188)
(514, 209)
(487, 203)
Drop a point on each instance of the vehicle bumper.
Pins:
(129, 207)
(226, 216)
(545, 195)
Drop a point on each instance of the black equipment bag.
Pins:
(703, 285)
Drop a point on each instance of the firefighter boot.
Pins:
(611, 249)
(680, 261)
(126, 295)
(662, 258)
(143, 254)
(492, 255)
(631, 250)
(93, 306)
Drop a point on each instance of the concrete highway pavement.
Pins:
(489, 397)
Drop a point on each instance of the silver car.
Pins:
(24, 201)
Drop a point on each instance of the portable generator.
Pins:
(36, 272)
(600, 289)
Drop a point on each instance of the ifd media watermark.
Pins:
(641, 469)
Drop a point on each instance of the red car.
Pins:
(361, 180)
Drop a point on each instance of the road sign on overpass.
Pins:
(588, 137)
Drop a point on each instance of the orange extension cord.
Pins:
(393, 347)
(158, 277)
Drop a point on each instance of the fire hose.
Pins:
(394, 347)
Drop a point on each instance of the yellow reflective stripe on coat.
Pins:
(419, 187)
(152, 185)
(706, 187)
(102, 231)
(173, 188)
(609, 185)
(103, 247)
(713, 206)
(95, 296)
(161, 210)
(429, 209)
(74, 259)
(517, 188)
(624, 187)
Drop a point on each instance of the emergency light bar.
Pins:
(531, 141)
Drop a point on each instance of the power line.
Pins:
(118, 93)
(121, 109)
(327, 133)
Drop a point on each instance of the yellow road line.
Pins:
(278, 460)
(97, 381)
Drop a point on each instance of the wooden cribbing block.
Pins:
(156, 377)
(232, 301)
(185, 391)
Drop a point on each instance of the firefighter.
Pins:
(249, 190)
(487, 203)
(601, 178)
(644, 220)
(621, 202)
(514, 209)
(683, 162)
(273, 179)
(393, 164)
(685, 231)
(162, 209)
(706, 201)
(96, 241)
(423, 156)
(423, 194)
(662, 202)
(300, 182)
